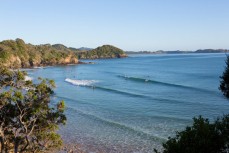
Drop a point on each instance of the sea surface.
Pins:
(133, 104)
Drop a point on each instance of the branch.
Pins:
(27, 144)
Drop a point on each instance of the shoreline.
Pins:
(71, 148)
(41, 66)
(46, 66)
(95, 147)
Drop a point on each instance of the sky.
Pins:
(132, 25)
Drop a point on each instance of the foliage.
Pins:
(28, 123)
(224, 82)
(201, 137)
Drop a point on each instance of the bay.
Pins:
(133, 104)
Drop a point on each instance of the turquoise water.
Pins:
(134, 104)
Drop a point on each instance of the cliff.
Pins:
(18, 54)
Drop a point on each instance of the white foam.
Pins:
(38, 67)
(81, 82)
(27, 78)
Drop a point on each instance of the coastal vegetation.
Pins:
(28, 122)
(203, 136)
(224, 82)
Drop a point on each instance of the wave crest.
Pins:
(27, 78)
(143, 80)
(80, 82)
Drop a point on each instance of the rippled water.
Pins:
(134, 104)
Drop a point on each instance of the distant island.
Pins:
(18, 54)
(180, 52)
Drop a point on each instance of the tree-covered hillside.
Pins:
(105, 51)
(18, 54)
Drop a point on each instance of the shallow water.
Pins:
(134, 104)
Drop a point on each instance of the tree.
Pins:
(224, 82)
(203, 136)
(28, 123)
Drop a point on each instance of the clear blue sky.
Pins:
(127, 24)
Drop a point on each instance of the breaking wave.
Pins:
(143, 80)
(27, 78)
(81, 82)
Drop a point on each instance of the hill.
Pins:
(18, 54)
(105, 51)
(84, 49)
(212, 51)
(180, 52)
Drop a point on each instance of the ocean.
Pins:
(134, 104)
